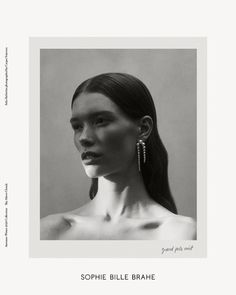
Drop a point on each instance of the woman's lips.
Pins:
(90, 158)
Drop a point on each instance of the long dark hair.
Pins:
(135, 100)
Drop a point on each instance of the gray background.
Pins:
(170, 75)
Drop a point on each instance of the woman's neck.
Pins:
(121, 195)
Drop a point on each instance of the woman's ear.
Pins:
(145, 127)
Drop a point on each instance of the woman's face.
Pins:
(104, 136)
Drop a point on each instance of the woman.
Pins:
(115, 131)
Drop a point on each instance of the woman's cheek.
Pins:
(119, 140)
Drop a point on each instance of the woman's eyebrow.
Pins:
(90, 115)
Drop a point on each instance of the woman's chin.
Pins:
(93, 172)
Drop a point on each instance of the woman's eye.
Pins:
(77, 127)
(99, 121)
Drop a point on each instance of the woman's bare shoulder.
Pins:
(52, 225)
(179, 227)
(173, 226)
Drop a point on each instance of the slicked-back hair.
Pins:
(132, 96)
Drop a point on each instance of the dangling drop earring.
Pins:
(144, 150)
(138, 152)
(142, 143)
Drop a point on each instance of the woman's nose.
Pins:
(86, 138)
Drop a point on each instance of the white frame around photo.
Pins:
(115, 248)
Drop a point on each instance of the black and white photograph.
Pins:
(129, 140)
